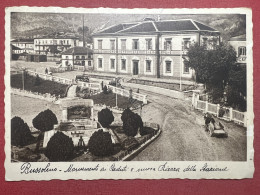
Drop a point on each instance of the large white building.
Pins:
(150, 48)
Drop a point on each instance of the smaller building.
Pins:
(15, 52)
(239, 44)
(77, 58)
(52, 45)
(26, 46)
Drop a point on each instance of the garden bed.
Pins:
(110, 100)
(27, 153)
(40, 86)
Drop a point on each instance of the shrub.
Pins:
(37, 80)
(130, 143)
(221, 112)
(105, 117)
(125, 115)
(59, 148)
(45, 120)
(131, 122)
(105, 90)
(100, 143)
(20, 132)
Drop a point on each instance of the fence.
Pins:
(51, 78)
(126, 93)
(229, 113)
(93, 86)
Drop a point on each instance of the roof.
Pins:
(77, 50)
(239, 38)
(15, 48)
(57, 37)
(157, 26)
(22, 41)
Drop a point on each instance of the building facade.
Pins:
(150, 48)
(77, 57)
(26, 46)
(239, 44)
(54, 45)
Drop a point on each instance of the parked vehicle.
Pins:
(83, 78)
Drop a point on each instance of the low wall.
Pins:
(46, 97)
(158, 90)
(126, 93)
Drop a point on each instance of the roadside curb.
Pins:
(141, 148)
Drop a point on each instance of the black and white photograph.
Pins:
(128, 94)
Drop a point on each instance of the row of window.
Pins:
(241, 51)
(28, 45)
(82, 57)
(61, 42)
(81, 63)
(123, 64)
(148, 65)
(135, 44)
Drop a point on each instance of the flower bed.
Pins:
(41, 86)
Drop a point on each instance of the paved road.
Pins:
(184, 138)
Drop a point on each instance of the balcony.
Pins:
(140, 52)
(50, 44)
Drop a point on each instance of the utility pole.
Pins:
(83, 32)
(116, 92)
(23, 78)
(182, 48)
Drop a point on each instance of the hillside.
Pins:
(37, 24)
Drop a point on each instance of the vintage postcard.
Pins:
(106, 93)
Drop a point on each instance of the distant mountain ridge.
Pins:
(38, 24)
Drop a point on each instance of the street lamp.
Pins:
(116, 91)
(23, 69)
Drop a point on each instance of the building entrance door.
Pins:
(135, 67)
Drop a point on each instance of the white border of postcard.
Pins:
(230, 170)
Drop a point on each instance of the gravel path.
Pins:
(183, 137)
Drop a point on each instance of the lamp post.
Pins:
(116, 92)
(23, 69)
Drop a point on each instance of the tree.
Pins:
(236, 89)
(44, 121)
(59, 148)
(105, 117)
(100, 143)
(20, 132)
(212, 67)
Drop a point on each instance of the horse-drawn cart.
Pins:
(214, 127)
